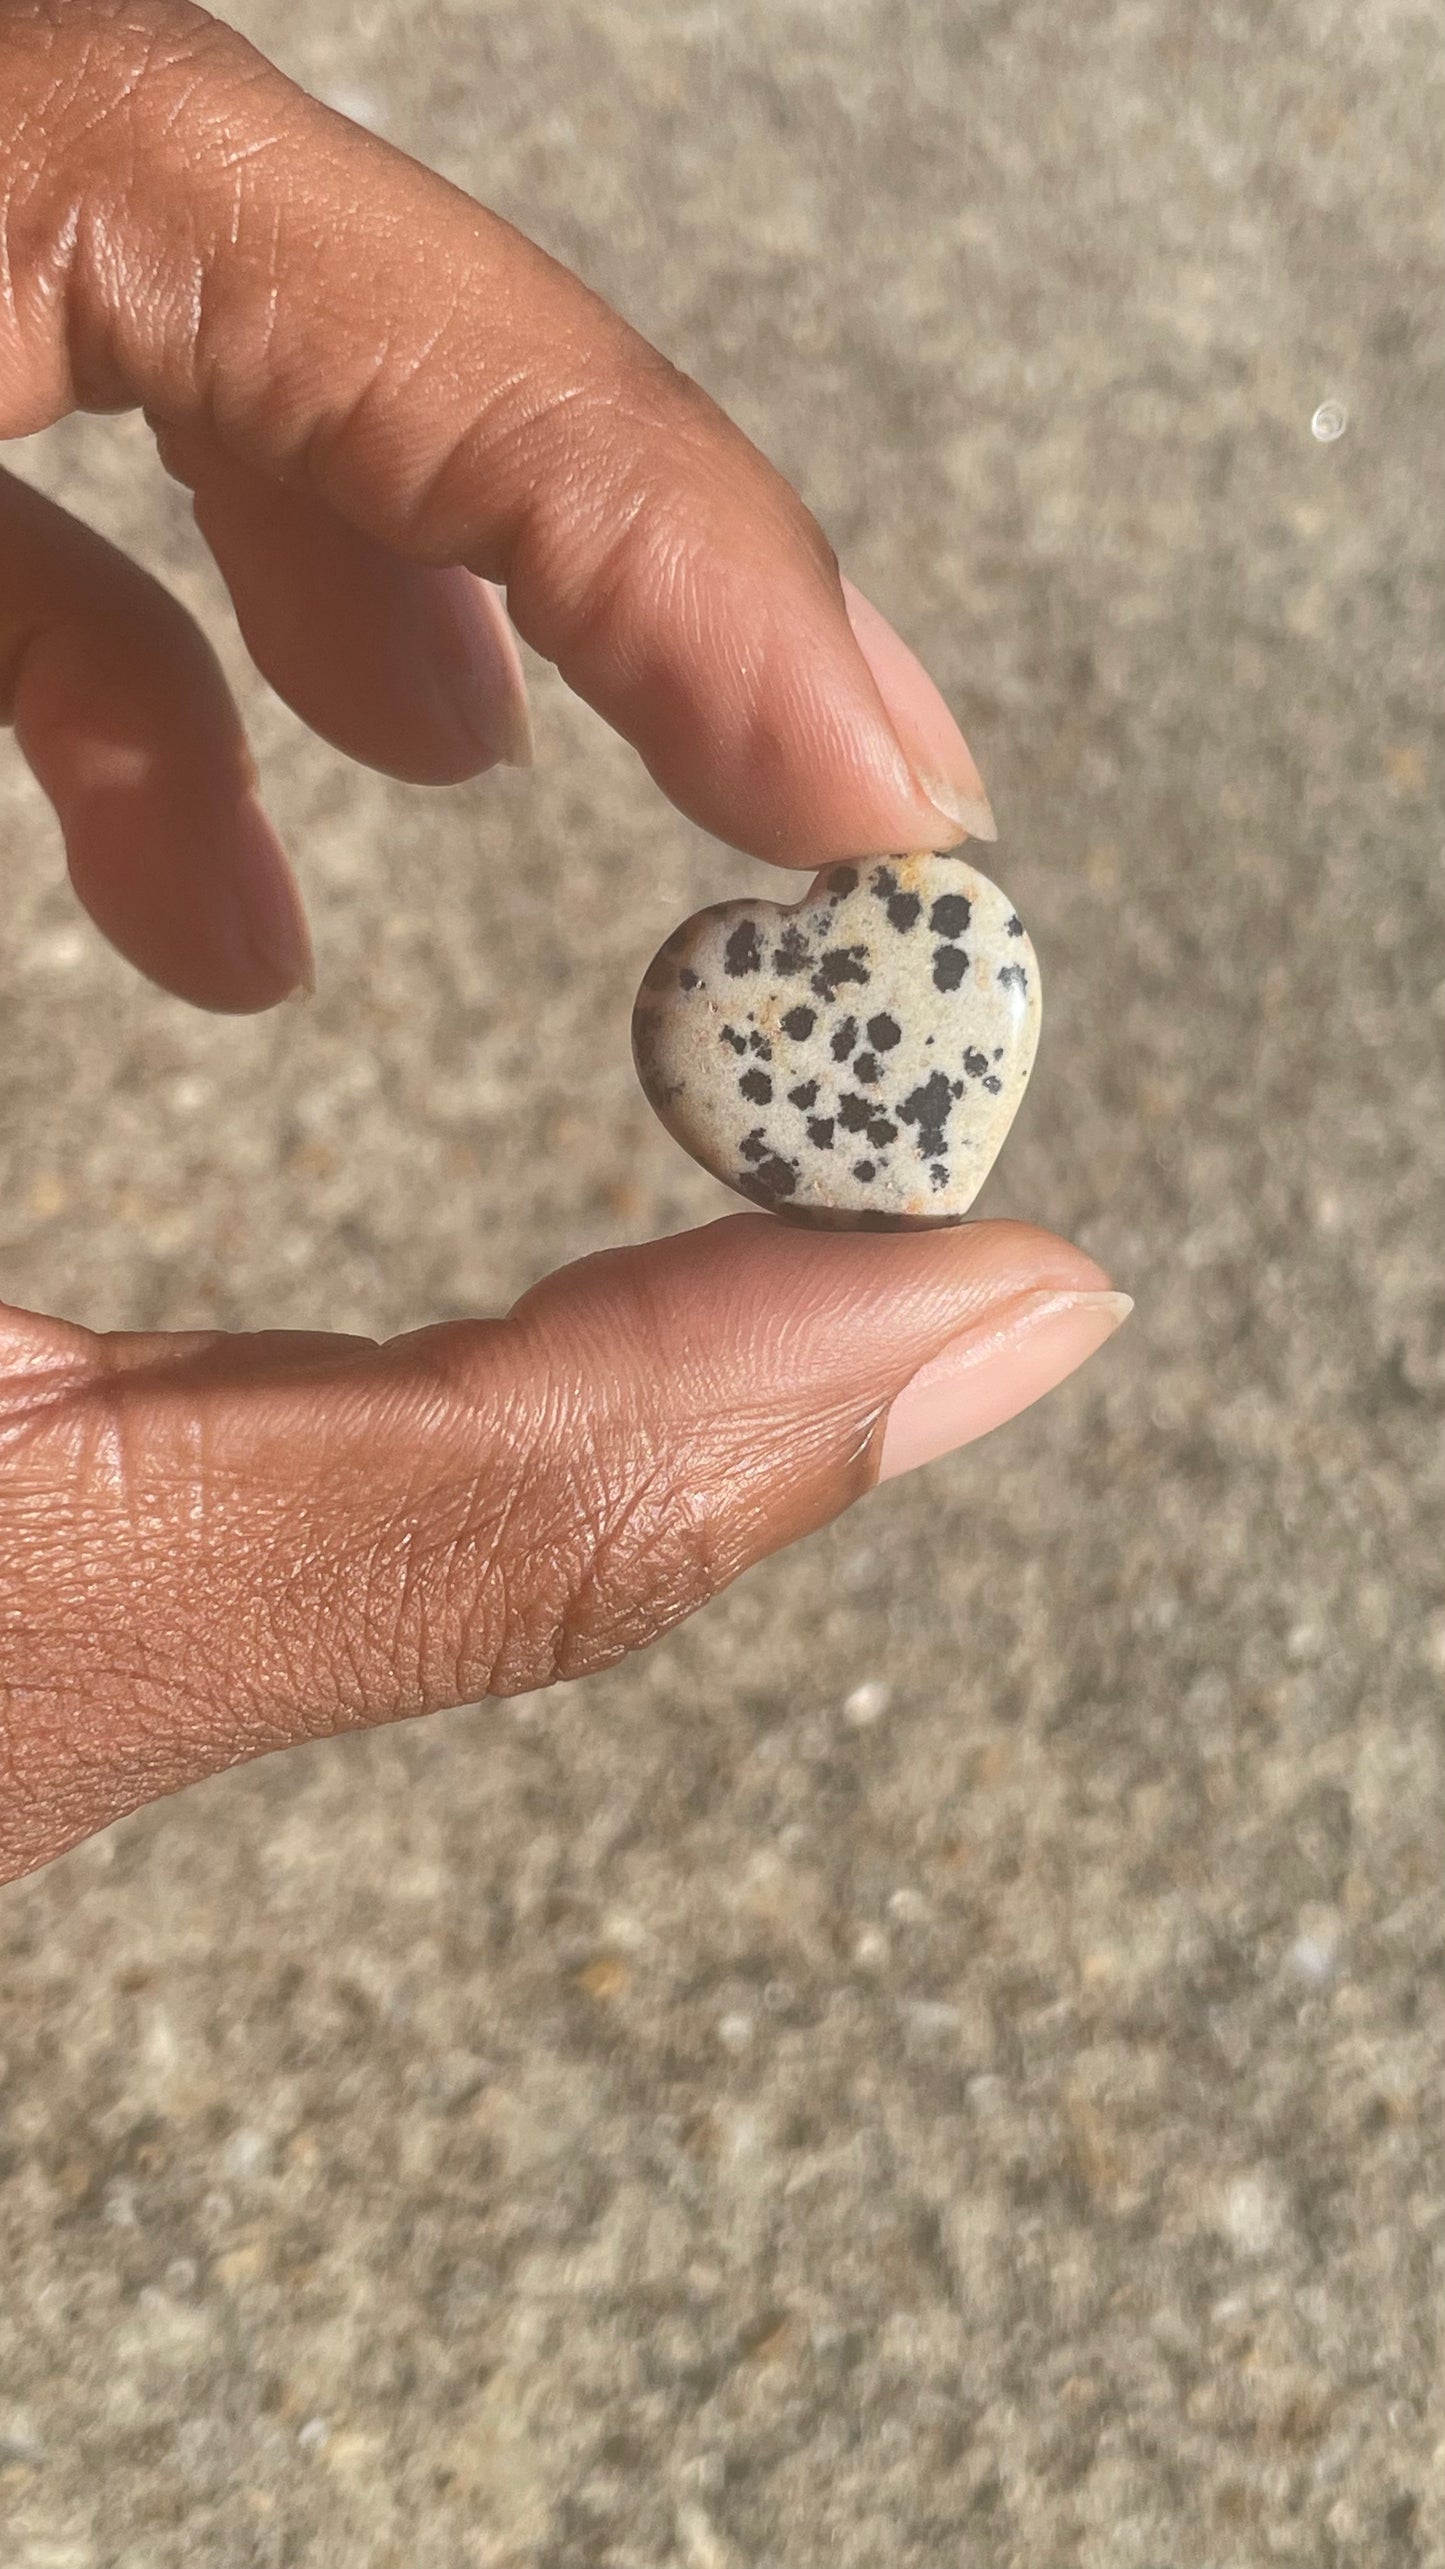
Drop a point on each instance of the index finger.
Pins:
(189, 231)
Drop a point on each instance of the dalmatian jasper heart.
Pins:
(853, 1060)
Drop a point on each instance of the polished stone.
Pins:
(854, 1059)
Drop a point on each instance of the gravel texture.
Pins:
(941, 2062)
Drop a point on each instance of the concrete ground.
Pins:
(941, 2062)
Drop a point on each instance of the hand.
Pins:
(383, 399)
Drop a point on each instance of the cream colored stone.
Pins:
(854, 1058)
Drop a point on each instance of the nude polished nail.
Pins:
(482, 683)
(270, 921)
(935, 748)
(990, 1373)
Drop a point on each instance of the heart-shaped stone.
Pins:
(854, 1059)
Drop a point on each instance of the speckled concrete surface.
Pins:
(942, 2062)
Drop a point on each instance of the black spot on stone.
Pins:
(742, 953)
(993, 1084)
(884, 1033)
(805, 1094)
(881, 1132)
(950, 963)
(760, 1045)
(687, 979)
(937, 1175)
(843, 1039)
(753, 1147)
(929, 1106)
(1013, 975)
(854, 1112)
(1013, 927)
(731, 1036)
(864, 1171)
(774, 1178)
(820, 1132)
(904, 912)
(883, 882)
(840, 964)
(790, 954)
(950, 915)
(843, 880)
(955, 1088)
(975, 1062)
(756, 1086)
(798, 1024)
(866, 1068)
(998, 1052)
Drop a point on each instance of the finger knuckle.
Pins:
(635, 508)
(640, 1565)
(589, 1572)
(585, 1539)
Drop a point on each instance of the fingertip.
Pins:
(992, 1370)
(228, 934)
(410, 668)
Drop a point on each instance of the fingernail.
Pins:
(273, 921)
(935, 748)
(485, 684)
(989, 1374)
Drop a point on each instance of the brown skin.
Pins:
(211, 1547)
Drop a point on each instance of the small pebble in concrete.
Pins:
(853, 1060)
(867, 1704)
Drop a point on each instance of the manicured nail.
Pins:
(935, 748)
(991, 1373)
(272, 919)
(485, 685)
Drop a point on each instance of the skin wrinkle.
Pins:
(28, 1422)
(580, 551)
(523, 1512)
(459, 1534)
(424, 487)
(110, 80)
(42, 389)
(564, 1525)
(642, 1553)
(334, 424)
(439, 1617)
(572, 526)
(96, 1612)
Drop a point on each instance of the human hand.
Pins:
(384, 399)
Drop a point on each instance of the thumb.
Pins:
(211, 1548)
